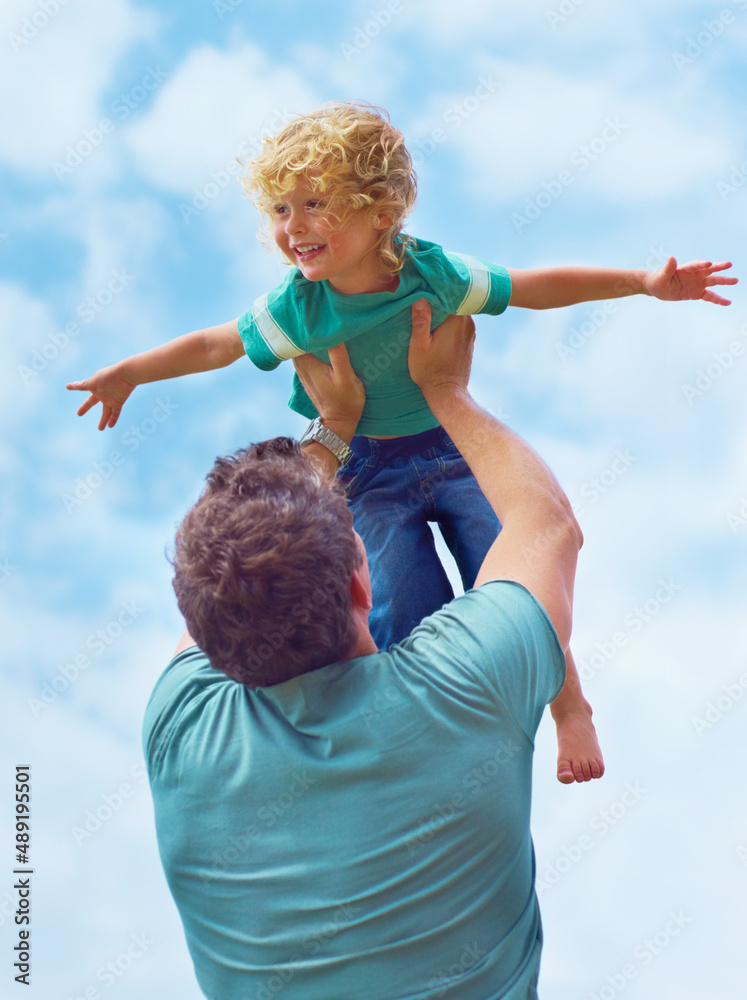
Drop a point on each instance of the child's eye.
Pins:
(315, 206)
(279, 209)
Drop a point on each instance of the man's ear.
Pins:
(359, 592)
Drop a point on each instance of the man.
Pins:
(336, 822)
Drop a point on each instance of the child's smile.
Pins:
(305, 252)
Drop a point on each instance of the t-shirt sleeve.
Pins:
(500, 636)
(270, 330)
(181, 694)
(484, 287)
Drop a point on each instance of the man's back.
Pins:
(361, 831)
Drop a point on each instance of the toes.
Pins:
(597, 768)
(565, 772)
(579, 770)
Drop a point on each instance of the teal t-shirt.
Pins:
(361, 832)
(302, 316)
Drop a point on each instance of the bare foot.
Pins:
(579, 755)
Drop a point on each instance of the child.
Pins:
(336, 186)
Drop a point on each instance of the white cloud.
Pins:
(215, 106)
(32, 342)
(542, 122)
(57, 74)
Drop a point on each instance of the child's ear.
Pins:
(382, 221)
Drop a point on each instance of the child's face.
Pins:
(345, 257)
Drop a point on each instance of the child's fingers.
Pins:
(717, 300)
(109, 417)
(85, 407)
(696, 265)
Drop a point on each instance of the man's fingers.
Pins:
(305, 363)
(338, 357)
(421, 321)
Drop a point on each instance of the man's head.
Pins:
(263, 566)
(352, 156)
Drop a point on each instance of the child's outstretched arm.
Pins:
(199, 351)
(550, 287)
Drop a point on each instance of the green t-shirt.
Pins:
(302, 316)
(361, 832)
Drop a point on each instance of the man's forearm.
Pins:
(512, 476)
(553, 287)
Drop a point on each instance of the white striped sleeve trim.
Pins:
(478, 292)
(272, 333)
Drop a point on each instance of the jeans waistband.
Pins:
(388, 449)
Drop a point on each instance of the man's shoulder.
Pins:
(493, 606)
(488, 627)
(187, 676)
(497, 637)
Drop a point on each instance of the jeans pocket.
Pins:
(354, 476)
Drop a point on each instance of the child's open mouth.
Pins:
(306, 253)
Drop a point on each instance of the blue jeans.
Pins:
(394, 487)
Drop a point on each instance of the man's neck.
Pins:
(364, 646)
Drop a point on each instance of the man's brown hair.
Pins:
(263, 564)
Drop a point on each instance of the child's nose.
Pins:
(295, 223)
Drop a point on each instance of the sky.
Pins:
(547, 132)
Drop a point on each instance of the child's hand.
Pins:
(690, 281)
(107, 387)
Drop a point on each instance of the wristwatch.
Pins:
(316, 431)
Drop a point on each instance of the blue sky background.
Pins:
(546, 132)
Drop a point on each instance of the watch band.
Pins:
(316, 431)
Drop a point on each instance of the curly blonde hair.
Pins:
(353, 155)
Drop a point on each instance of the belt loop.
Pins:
(375, 453)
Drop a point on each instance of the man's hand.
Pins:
(338, 394)
(690, 281)
(440, 360)
(334, 389)
(107, 387)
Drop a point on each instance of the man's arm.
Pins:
(338, 394)
(550, 287)
(199, 351)
(540, 539)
